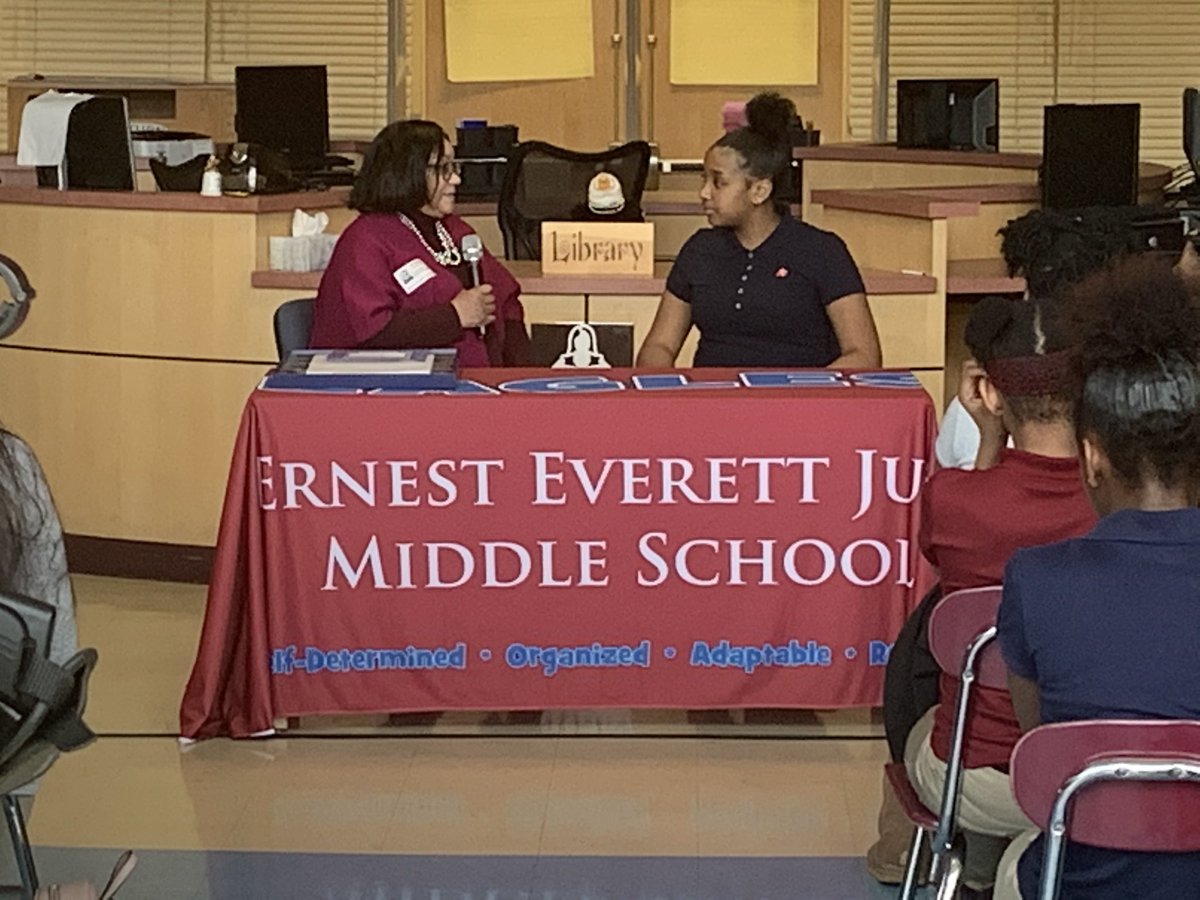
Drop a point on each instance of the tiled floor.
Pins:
(612, 805)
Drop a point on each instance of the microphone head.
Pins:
(472, 248)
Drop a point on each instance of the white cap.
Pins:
(605, 195)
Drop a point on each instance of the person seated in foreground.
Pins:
(762, 287)
(33, 558)
(1105, 625)
(971, 523)
(398, 279)
(1051, 250)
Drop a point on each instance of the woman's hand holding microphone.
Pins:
(476, 307)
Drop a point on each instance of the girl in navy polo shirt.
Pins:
(1106, 625)
(763, 288)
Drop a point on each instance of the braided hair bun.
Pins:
(765, 144)
(771, 115)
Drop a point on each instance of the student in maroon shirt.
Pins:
(398, 279)
(973, 521)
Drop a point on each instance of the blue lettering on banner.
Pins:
(590, 656)
(676, 381)
(591, 384)
(799, 379)
(464, 388)
(886, 379)
(748, 658)
(878, 653)
(287, 661)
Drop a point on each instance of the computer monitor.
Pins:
(99, 153)
(1191, 128)
(948, 114)
(1090, 155)
(286, 109)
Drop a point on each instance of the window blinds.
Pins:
(1126, 52)
(1043, 51)
(861, 62)
(350, 37)
(1012, 40)
(159, 39)
(202, 40)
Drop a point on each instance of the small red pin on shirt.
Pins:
(781, 272)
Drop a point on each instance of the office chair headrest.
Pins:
(14, 308)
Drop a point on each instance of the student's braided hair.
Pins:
(1053, 249)
(1136, 336)
(1000, 329)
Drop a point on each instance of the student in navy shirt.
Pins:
(763, 288)
(1108, 625)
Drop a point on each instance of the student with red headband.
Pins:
(973, 521)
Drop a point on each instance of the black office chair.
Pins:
(293, 324)
(544, 183)
(14, 307)
(41, 712)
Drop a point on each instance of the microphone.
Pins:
(472, 252)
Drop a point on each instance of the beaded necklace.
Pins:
(449, 255)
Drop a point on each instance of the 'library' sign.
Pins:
(597, 248)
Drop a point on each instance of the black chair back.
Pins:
(293, 324)
(544, 183)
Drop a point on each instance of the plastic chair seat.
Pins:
(918, 813)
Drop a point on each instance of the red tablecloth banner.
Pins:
(547, 541)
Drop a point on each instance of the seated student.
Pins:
(1105, 625)
(971, 523)
(763, 288)
(33, 560)
(398, 279)
(1051, 250)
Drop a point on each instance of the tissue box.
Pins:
(306, 253)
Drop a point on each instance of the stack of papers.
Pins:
(359, 370)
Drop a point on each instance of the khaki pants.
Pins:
(1006, 874)
(987, 813)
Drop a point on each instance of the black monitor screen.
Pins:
(1090, 155)
(286, 109)
(99, 154)
(954, 114)
(1191, 127)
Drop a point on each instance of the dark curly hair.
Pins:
(765, 144)
(1053, 249)
(1136, 336)
(1002, 328)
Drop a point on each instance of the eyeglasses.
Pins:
(447, 169)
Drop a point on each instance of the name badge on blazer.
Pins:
(412, 275)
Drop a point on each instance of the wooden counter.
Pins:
(152, 323)
(528, 273)
(932, 211)
(176, 201)
(146, 335)
(907, 307)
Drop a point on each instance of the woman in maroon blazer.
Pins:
(398, 279)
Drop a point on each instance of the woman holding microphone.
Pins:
(398, 278)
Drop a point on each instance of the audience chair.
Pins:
(41, 712)
(962, 631)
(1121, 784)
(293, 323)
(544, 183)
